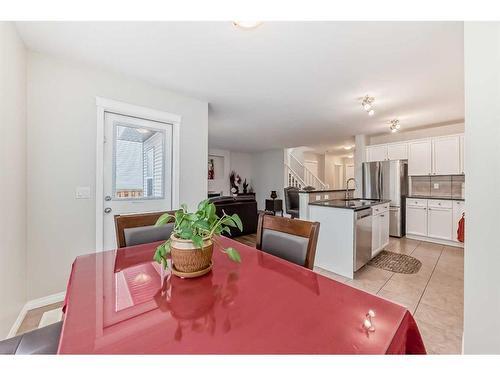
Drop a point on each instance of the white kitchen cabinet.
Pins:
(462, 154)
(397, 151)
(446, 155)
(416, 217)
(439, 223)
(420, 158)
(458, 210)
(376, 153)
(380, 228)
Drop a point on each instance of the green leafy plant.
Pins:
(197, 226)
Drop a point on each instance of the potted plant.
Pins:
(191, 244)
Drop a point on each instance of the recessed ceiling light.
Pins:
(371, 112)
(347, 148)
(247, 24)
(350, 156)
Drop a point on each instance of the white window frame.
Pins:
(109, 105)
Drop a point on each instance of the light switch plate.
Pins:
(82, 192)
(436, 186)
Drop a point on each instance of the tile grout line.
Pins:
(430, 277)
(382, 287)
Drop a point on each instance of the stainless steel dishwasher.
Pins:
(363, 238)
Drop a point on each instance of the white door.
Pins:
(349, 172)
(397, 151)
(377, 153)
(446, 155)
(137, 169)
(416, 220)
(419, 158)
(440, 223)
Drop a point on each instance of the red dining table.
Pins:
(121, 302)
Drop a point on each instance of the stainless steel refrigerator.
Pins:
(388, 180)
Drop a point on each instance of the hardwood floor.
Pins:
(248, 239)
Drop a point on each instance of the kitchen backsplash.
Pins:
(438, 186)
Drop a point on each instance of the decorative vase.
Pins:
(273, 194)
(189, 259)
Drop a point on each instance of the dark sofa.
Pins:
(244, 206)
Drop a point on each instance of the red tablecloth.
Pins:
(121, 302)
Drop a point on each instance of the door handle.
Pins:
(107, 198)
(107, 210)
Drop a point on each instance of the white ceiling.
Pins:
(282, 84)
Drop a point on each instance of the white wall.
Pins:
(268, 169)
(61, 155)
(482, 163)
(221, 181)
(241, 162)
(12, 176)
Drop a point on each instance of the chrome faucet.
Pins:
(347, 187)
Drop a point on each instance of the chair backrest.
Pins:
(136, 229)
(291, 198)
(289, 239)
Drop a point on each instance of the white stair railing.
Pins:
(301, 175)
(292, 179)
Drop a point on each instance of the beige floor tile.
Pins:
(439, 341)
(444, 297)
(370, 279)
(408, 301)
(426, 251)
(440, 318)
(402, 245)
(330, 275)
(404, 286)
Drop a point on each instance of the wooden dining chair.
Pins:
(137, 229)
(290, 239)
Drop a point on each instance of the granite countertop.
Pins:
(352, 204)
(437, 198)
(322, 191)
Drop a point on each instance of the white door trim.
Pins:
(108, 105)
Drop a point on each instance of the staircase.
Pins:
(299, 176)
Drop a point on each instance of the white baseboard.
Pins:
(435, 240)
(33, 304)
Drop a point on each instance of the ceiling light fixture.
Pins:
(394, 125)
(367, 104)
(247, 24)
(347, 148)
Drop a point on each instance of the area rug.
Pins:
(399, 263)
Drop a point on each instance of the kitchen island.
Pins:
(352, 232)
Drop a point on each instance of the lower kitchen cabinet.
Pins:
(416, 218)
(433, 220)
(439, 223)
(380, 228)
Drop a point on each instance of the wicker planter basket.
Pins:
(188, 258)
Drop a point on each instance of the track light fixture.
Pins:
(394, 125)
(367, 104)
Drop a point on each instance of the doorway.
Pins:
(138, 169)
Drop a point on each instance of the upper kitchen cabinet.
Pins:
(446, 155)
(397, 151)
(420, 157)
(376, 153)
